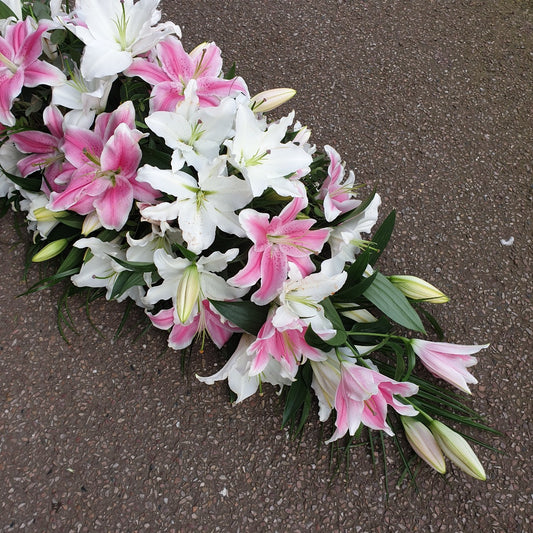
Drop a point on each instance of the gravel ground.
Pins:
(430, 101)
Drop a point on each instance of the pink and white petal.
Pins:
(148, 71)
(144, 192)
(291, 210)
(32, 163)
(76, 196)
(274, 268)
(251, 273)
(42, 73)
(35, 142)
(25, 41)
(207, 59)
(182, 335)
(54, 121)
(78, 142)
(11, 86)
(122, 152)
(163, 320)
(174, 60)
(255, 224)
(211, 90)
(123, 114)
(166, 96)
(114, 206)
(219, 332)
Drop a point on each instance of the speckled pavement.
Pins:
(430, 101)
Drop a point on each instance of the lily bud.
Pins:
(418, 289)
(457, 450)
(188, 293)
(50, 250)
(268, 100)
(41, 214)
(90, 223)
(423, 443)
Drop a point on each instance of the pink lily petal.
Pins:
(122, 152)
(273, 273)
(114, 206)
(164, 319)
(42, 73)
(174, 60)
(165, 96)
(11, 86)
(251, 273)
(54, 121)
(148, 71)
(207, 59)
(31, 142)
(76, 196)
(79, 142)
(182, 335)
(211, 90)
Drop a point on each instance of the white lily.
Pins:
(195, 134)
(102, 271)
(115, 31)
(300, 298)
(172, 270)
(201, 206)
(85, 97)
(257, 151)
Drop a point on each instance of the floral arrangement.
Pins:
(151, 176)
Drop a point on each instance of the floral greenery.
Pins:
(153, 178)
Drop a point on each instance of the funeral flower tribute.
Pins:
(151, 176)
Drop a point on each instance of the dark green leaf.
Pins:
(135, 266)
(391, 301)
(333, 316)
(246, 315)
(299, 393)
(350, 294)
(126, 280)
(31, 184)
(5, 11)
(381, 237)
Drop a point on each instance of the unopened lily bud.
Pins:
(41, 214)
(188, 293)
(418, 289)
(303, 136)
(91, 223)
(50, 250)
(268, 100)
(423, 443)
(359, 315)
(457, 450)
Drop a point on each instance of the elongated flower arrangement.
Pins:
(150, 176)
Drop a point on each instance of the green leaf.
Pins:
(381, 237)
(230, 74)
(126, 280)
(5, 11)
(187, 254)
(333, 316)
(391, 301)
(31, 184)
(350, 294)
(298, 398)
(246, 315)
(135, 266)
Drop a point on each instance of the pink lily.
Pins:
(277, 243)
(337, 195)
(45, 150)
(20, 66)
(172, 69)
(205, 320)
(106, 162)
(363, 395)
(288, 347)
(448, 361)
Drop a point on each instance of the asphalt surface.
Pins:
(429, 101)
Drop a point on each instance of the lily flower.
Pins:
(205, 320)
(288, 347)
(195, 134)
(210, 286)
(363, 395)
(336, 194)
(106, 162)
(20, 65)
(116, 31)
(418, 289)
(171, 70)
(257, 151)
(276, 243)
(236, 371)
(448, 361)
(201, 206)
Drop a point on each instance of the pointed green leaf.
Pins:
(391, 301)
(381, 237)
(246, 315)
